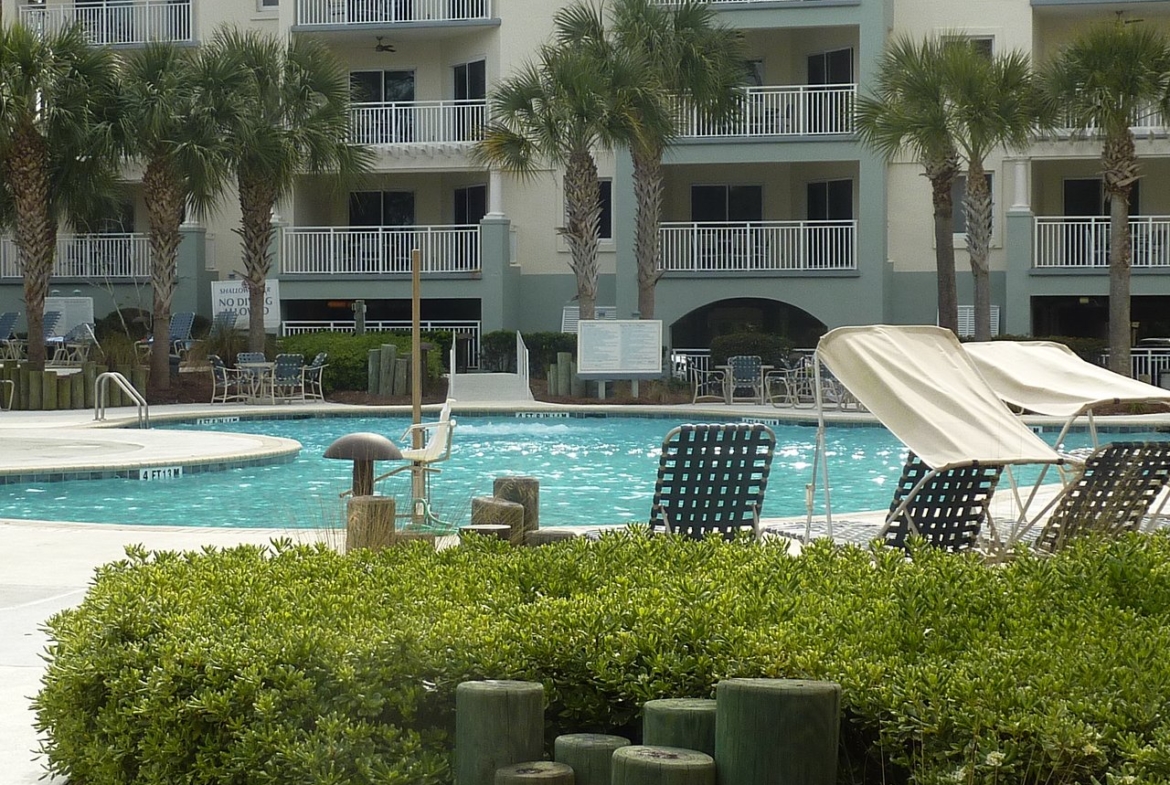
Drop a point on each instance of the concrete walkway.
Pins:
(47, 566)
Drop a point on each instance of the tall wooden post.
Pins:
(417, 479)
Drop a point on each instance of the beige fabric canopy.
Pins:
(1048, 378)
(919, 383)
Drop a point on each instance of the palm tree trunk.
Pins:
(36, 232)
(164, 204)
(256, 203)
(648, 194)
(942, 177)
(583, 205)
(1120, 173)
(978, 207)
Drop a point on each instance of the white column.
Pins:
(1020, 200)
(495, 193)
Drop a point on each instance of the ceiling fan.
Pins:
(381, 47)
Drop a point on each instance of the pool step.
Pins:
(488, 387)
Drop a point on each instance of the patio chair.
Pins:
(1112, 494)
(707, 385)
(179, 340)
(227, 384)
(744, 382)
(223, 321)
(712, 478)
(49, 322)
(73, 347)
(313, 381)
(9, 347)
(288, 377)
(947, 508)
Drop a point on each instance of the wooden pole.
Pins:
(417, 478)
(497, 723)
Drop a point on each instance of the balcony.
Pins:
(100, 257)
(417, 122)
(759, 247)
(116, 22)
(784, 111)
(1079, 243)
(379, 251)
(390, 12)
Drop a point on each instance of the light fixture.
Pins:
(381, 47)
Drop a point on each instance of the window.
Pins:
(723, 203)
(267, 5)
(470, 204)
(982, 44)
(381, 208)
(470, 80)
(958, 196)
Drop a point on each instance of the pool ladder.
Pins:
(101, 386)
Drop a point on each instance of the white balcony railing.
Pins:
(1073, 242)
(799, 110)
(1149, 122)
(93, 256)
(385, 250)
(356, 12)
(765, 246)
(417, 122)
(116, 21)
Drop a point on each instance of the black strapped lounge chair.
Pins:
(947, 508)
(1112, 495)
(712, 478)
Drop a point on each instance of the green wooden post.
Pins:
(642, 765)
(36, 382)
(777, 731)
(24, 388)
(373, 363)
(497, 723)
(65, 391)
(402, 375)
(77, 390)
(680, 722)
(535, 772)
(388, 355)
(89, 371)
(590, 755)
(525, 491)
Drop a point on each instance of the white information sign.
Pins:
(233, 296)
(73, 310)
(619, 348)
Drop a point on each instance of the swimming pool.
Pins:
(592, 471)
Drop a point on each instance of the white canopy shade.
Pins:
(919, 383)
(1048, 378)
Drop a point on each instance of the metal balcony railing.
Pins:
(797, 110)
(92, 256)
(417, 122)
(116, 21)
(376, 251)
(357, 12)
(764, 246)
(1075, 242)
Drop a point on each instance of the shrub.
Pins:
(772, 349)
(349, 354)
(279, 665)
(498, 350)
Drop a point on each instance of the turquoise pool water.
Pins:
(592, 471)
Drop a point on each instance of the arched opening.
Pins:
(746, 314)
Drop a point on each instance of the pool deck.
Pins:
(46, 566)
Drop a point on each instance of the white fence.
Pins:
(116, 21)
(1083, 242)
(417, 122)
(384, 250)
(1149, 364)
(348, 12)
(813, 246)
(799, 110)
(96, 256)
(466, 332)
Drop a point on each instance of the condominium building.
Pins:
(781, 221)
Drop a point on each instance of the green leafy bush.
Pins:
(349, 354)
(772, 349)
(298, 665)
(498, 350)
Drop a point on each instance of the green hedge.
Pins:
(772, 349)
(298, 665)
(348, 367)
(498, 350)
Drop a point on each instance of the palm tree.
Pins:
(58, 149)
(170, 124)
(290, 117)
(696, 65)
(1103, 81)
(908, 111)
(572, 100)
(994, 104)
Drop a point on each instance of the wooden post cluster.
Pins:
(387, 372)
(562, 377)
(515, 504)
(491, 511)
(55, 389)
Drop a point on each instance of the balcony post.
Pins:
(1019, 242)
(495, 194)
(500, 301)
